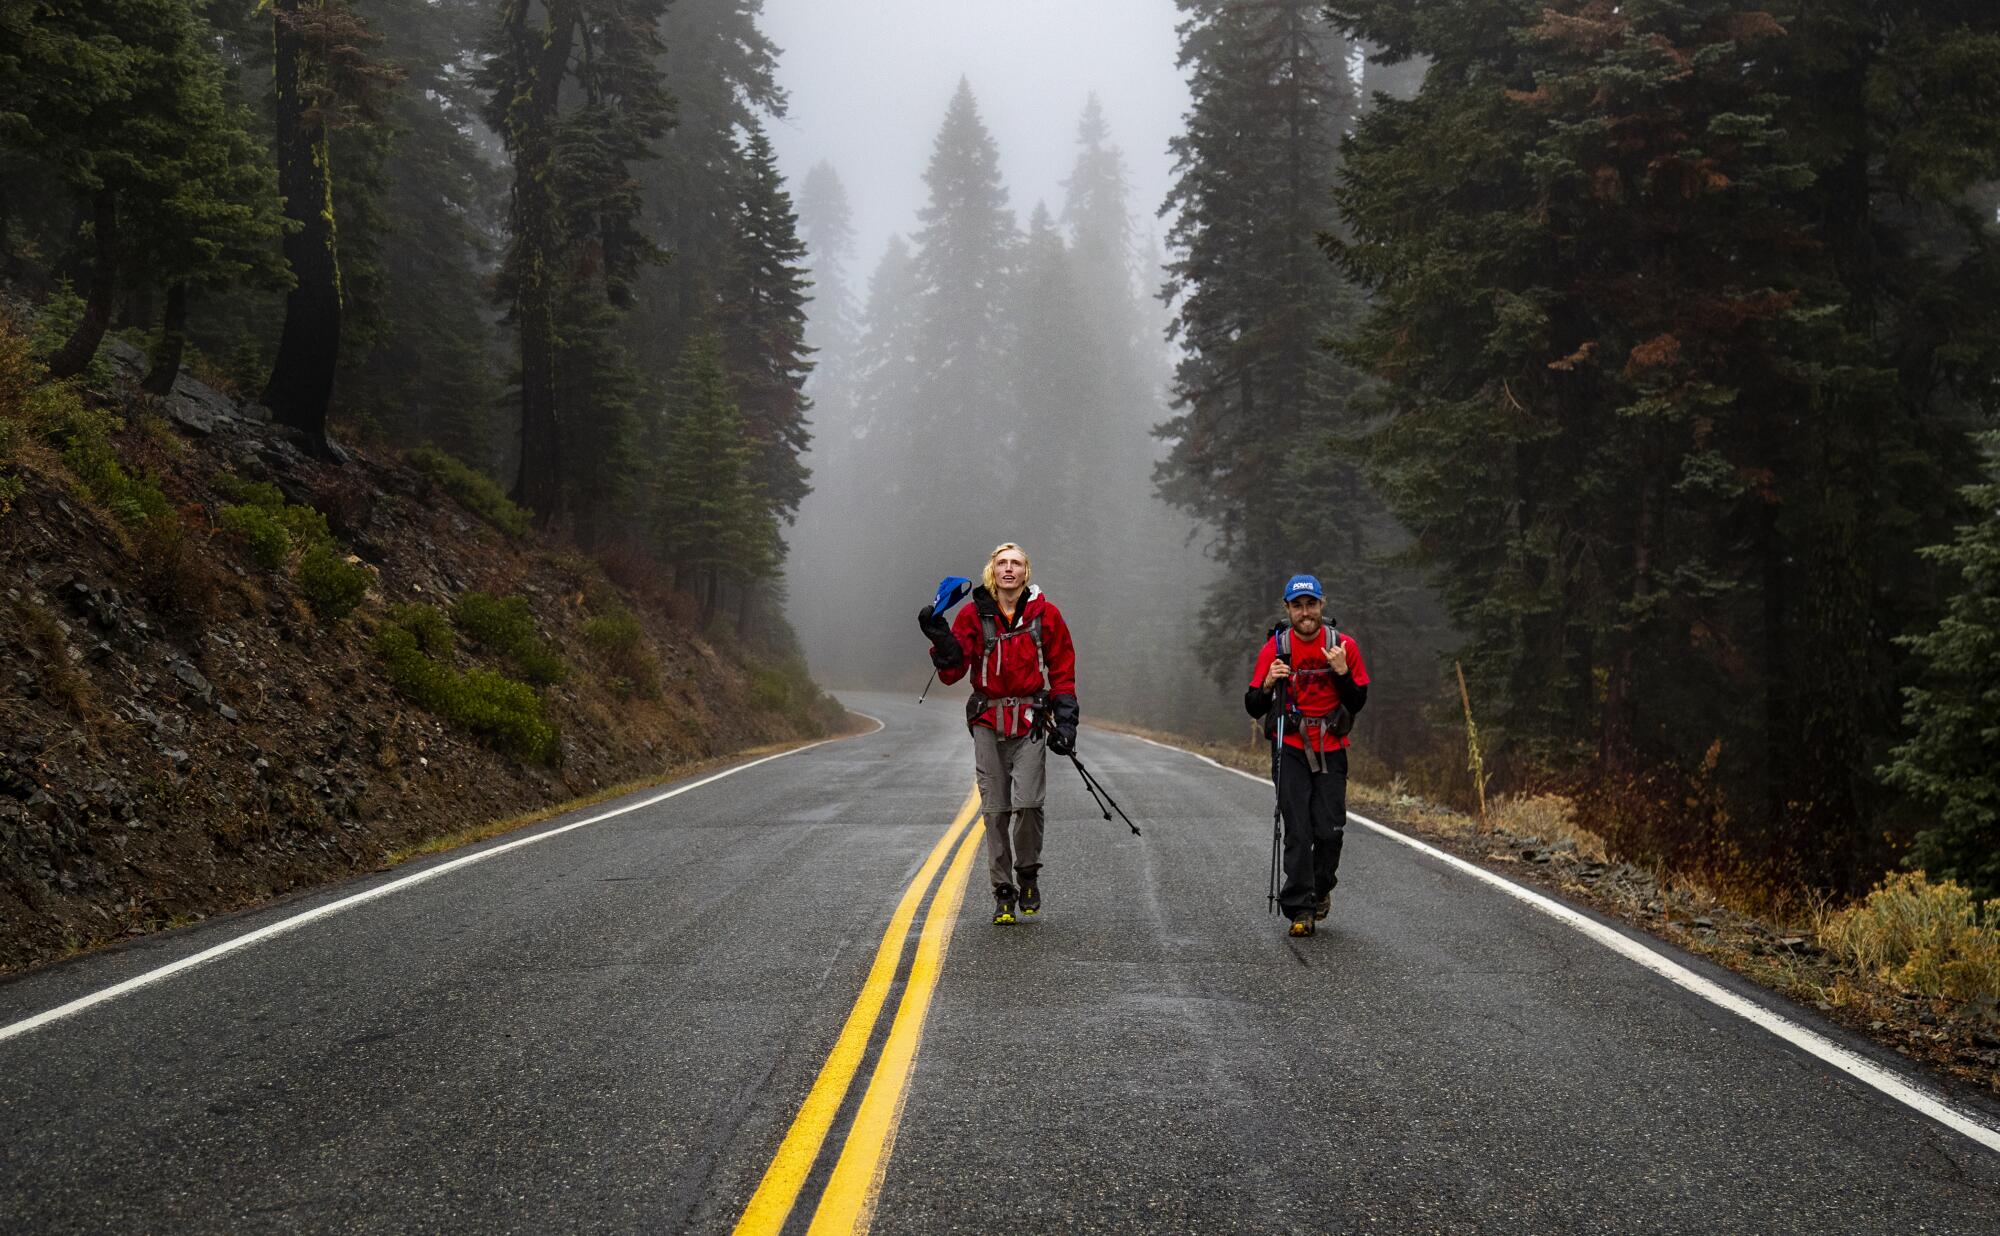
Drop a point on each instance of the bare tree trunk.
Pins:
(173, 342)
(76, 352)
(532, 117)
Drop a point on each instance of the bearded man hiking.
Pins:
(1310, 680)
(1017, 647)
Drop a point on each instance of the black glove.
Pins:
(945, 652)
(1063, 718)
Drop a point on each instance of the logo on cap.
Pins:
(1302, 586)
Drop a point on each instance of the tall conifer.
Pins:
(1257, 394)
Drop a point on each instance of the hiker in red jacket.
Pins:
(1314, 676)
(1023, 705)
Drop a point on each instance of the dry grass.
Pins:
(1552, 817)
(60, 675)
(1929, 938)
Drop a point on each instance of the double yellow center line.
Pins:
(848, 1201)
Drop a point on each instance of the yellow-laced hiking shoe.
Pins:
(1301, 927)
(1003, 903)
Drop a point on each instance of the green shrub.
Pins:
(427, 623)
(1931, 938)
(83, 435)
(613, 634)
(619, 637)
(472, 489)
(770, 689)
(493, 706)
(330, 584)
(270, 545)
(249, 493)
(307, 526)
(507, 627)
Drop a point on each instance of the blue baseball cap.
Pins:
(1302, 586)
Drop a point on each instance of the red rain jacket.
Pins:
(1010, 667)
(1312, 690)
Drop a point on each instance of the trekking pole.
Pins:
(1102, 796)
(1277, 807)
(927, 686)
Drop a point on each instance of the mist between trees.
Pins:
(1636, 355)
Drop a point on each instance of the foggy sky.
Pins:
(869, 80)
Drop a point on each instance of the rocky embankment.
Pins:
(186, 729)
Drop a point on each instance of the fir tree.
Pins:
(418, 241)
(713, 523)
(123, 106)
(963, 258)
(574, 228)
(761, 316)
(826, 223)
(1952, 757)
(323, 77)
(723, 72)
(1256, 394)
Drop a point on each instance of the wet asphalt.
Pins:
(612, 1029)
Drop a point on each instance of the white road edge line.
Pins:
(297, 921)
(1866, 1071)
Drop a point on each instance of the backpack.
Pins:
(1338, 722)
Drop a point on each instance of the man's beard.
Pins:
(1307, 627)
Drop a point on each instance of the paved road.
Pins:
(613, 1029)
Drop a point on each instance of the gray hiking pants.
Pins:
(1011, 773)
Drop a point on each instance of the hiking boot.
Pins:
(1302, 927)
(1031, 896)
(1324, 906)
(1003, 903)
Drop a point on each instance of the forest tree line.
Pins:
(548, 236)
(1661, 341)
(1638, 356)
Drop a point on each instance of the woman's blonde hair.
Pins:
(1027, 574)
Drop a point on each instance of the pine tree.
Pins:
(1952, 758)
(833, 327)
(418, 243)
(574, 229)
(723, 72)
(713, 523)
(322, 77)
(963, 259)
(123, 106)
(1059, 466)
(761, 317)
(1256, 394)
(874, 478)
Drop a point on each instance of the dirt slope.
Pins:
(180, 735)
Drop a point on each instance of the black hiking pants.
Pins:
(1314, 805)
